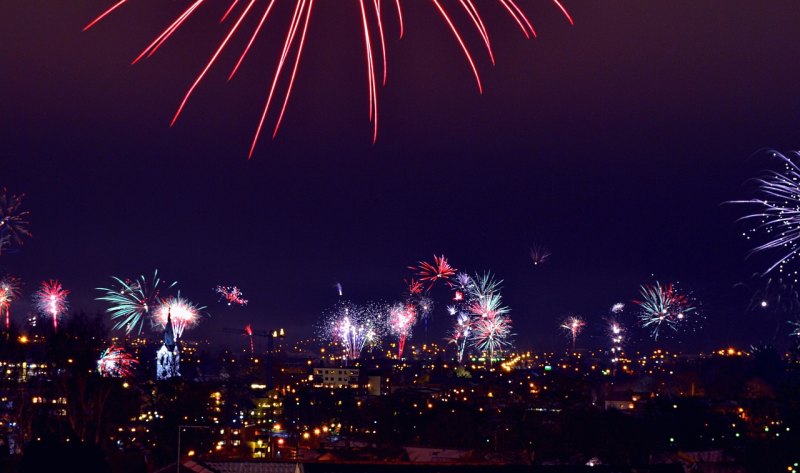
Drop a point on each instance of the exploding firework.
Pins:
(231, 295)
(488, 306)
(539, 254)
(51, 300)
(414, 287)
(573, 326)
(354, 327)
(491, 334)
(663, 306)
(777, 212)
(182, 313)
(796, 331)
(372, 18)
(131, 301)
(402, 318)
(439, 270)
(617, 308)
(9, 290)
(616, 336)
(115, 362)
(460, 333)
(13, 220)
(484, 285)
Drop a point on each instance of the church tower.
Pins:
(168, 358)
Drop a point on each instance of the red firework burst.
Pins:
(440, 269)
(372, 28)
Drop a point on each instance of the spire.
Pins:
(169, 334)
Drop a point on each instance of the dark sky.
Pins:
(612, 142)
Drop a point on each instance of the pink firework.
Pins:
(402, 318)
(231, 295)
(439, 270)
(414, 287)
(248, 330)
(9, 290)
(372, 19)
(573, 325)
(51, 299)
(115, 362)
(183, 314)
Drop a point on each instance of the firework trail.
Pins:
(183, 314)
(131, 301)
(460, 333)
(354, 326)
(796, 331)
(539, 254)
(776, 212)
(616, 335)
(231, 295)
(402, 318)
(9, 291)
(573, 326)
(248, 330)
(372, 29)
(115, 362)
(338, 287)
(13, 220)
(663, 306)
(440, 269)
(51, 300)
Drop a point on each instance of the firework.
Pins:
(484, 285)
(776, 212)
(132, 300)
(460, 333)
(183, 314)
(338, 287)
(402, 318)
(663, 306)
(539, 254)
(439, 270)
(488, 306)
(414, 287)
(9, 290)
(573, 326)
(115, 362)
(617, 308)
(248, 330)
(796, 331)
(354, 327)
(13, 220)
(491, 333)
(372, 28)
(231, 295)
(51, 300)
(616, 336)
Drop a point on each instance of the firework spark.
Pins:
(248, 330)
(573, 326)
(777, 212)
(115, 362)
(51, 300)
(374, 39)
(484, 285)
(339, 290)
(183, 314)
(539, 254)
(414, 287)
(617, 308)
(231, 295)
(131, 301)
(13, 220)
(616, 336)
(439, 270)
(402, 318)
(9, 291)
(663, 306)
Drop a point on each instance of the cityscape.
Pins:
(434, 236)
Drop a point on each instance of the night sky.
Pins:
(613, 143)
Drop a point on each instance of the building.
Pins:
(168, 357)
(336, 377)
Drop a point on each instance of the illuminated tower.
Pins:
(168, 358)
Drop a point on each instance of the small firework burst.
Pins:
(51, 300)
(616, 336)
(182, 313)
(617, 308)
(13, 220)
(231, 295)
(115, 362)
(664, 306)
(132, 300)
(402, 318)
(573, 326)
(484, 285)
(491, 334)
(539, 254)
(460, 333)
(414, 287)
(440, 269)
(9, 291)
